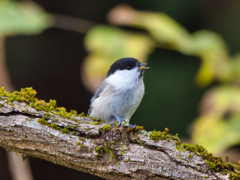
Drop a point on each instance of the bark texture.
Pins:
(19, 170)
(116, 154)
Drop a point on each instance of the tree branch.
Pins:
(115, 154)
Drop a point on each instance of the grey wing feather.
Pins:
(97, 94)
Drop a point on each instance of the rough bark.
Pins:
(19, 170)
(122, 155)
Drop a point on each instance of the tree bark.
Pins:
(19, 170)
(116, 154)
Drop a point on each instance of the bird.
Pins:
(120, 93)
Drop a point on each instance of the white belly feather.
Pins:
(121, 102)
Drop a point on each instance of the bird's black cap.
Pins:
(124, 63)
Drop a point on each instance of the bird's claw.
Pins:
(132, 126)
(121, 120)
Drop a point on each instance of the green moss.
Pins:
(55, 126)
(123, 152)
(110, 152)
(74, 133)
(178, 143)
(74, 126)
(73, 112)
(234, 176)
(94, 123)
(81, 139)
(227, 157)
(82, 115)
(158, 135)
(98, 149)
(214, 163)
(43, 121)
(82, 145)
(117, 163)
(94, 119)
(65, 131)
(180, 157)
(140, 142)
(106, 128)
(28, 95)
(224, 172)
(190, 155)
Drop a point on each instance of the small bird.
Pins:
(120, 93)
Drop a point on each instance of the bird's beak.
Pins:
(143, 66)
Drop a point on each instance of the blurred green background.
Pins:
(64, 48)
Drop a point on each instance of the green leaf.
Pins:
(169, 34)
(22, 18)
(218, 126)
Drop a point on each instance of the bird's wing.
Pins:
(97, 94)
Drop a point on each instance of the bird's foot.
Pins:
(132, 126)
(122, 122)
(119, 120)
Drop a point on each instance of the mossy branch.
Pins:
(77, 142)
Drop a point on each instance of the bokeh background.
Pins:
(64, 48)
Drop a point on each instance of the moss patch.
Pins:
(74, 126)
(81, 139)
(110, 152)
(158, 135)
(190, 155)
(99, 149)
(82, 145)
(28, 95)
(140, 142)
(215, 163)
(43, 121)
(65, 131)
(94, 123)
(106, 128)
(55, 126)
(117, 163)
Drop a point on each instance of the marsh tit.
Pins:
(121, 92)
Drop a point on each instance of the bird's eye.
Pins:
(128, 68)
